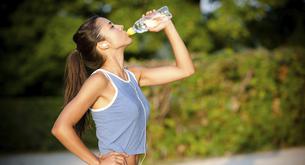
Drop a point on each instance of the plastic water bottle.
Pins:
(151, 20)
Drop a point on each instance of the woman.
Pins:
(112, 91)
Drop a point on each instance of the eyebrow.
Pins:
(109, 23)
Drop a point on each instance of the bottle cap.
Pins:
(130, 31)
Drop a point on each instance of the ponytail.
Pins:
(75, 76)
(83, 60)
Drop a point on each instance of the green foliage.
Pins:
(27, 124)
(234, 103)
(40, 32)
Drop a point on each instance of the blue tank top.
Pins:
(121, 125)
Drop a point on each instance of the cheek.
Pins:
(120, 39)
(112, 38)
(117, 39)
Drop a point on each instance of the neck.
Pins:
(115, 61)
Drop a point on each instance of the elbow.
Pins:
(188, 74)
(190, 71)
(57, 130)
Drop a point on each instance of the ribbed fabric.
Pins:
(121, 125)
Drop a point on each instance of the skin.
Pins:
(97, 91)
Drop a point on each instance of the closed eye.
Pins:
(111, 24)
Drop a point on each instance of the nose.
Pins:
(120, 27)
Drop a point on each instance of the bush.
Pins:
(234, 103)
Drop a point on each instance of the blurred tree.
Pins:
(36, 43)
(253, 23)
(37, 35)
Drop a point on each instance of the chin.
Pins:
(129, 41)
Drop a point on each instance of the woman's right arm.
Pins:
(63, 127)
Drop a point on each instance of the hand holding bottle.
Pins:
(158, 23)
(154, 21)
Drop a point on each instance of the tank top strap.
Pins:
(105, 73)
(132, 76)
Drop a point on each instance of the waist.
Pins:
(131, 159)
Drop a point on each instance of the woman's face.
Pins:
(114, 34)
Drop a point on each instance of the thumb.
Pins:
(101, 156)
(125, 154)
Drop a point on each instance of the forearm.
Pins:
(69, 138)
(183, 59)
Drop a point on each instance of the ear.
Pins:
(103, 45)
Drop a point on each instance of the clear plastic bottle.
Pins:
(151, 20)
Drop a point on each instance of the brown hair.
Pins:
(82, 60)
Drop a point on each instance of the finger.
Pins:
(148, 12)
(119, 161)
(120, 158)
(117, 154)
(125, 162)
(124, 154)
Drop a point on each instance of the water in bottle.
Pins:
(149, 21)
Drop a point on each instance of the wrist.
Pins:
(97, 161)
(169, 27)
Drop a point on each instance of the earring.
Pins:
(104, 46)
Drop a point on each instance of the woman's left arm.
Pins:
(182, 68)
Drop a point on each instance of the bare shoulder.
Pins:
(96, 82)
(90, 90)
